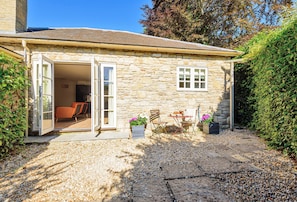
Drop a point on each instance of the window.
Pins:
(109, 94)
(192, 78)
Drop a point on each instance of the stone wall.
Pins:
(148, 80)
(13, 16)
(21, 16)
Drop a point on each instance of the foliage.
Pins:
(12, 106)
(274, 69)
(141, 119)
(243, 75)
(207, 118)
(215, 22)
(243, 105)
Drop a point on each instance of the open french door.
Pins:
(96, 99)
(45, 97)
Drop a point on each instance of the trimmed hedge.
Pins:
(12, 107)
(274, 69)
(243, 75)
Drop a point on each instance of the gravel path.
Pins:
(232, 166)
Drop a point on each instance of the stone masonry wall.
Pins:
(13, 16)
(21, 16)
(147, 80)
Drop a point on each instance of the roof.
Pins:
(11, 53)
(118, 38)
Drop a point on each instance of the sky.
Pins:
(102, 14)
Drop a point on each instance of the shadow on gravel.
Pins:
(180, 169)
(19, 182)
(171, 169)
(235, 166)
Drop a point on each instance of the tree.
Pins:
(214, 22)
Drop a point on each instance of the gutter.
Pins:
(123, 47)
(27, 62)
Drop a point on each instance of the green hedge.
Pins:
(243, 73)
(12, 106)
(274, 69)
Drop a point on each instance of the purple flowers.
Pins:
(133, 119)
(206, 118)
(141, 119)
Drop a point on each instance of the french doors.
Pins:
(103, 96)
(43, 71)
(95, 96)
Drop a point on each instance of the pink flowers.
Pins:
(133, 119)
(207, 118)
(141, 119)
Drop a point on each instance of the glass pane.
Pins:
(202, 72)
(47, 120)
(108, 74)
(196, 85)
(188, 77)
(188, 85)
(108, 117)
(47, 86)
(202, 78)
(196, 72)
(203, 85)
(108, 103)
(181, 77)
(188, 71)
(47, 70)
(106, 121)
(181, 84)
(47, 103)
(196, 78)
(108, 88)
(47, 115)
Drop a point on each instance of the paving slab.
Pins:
(196, 189)
(76, 136)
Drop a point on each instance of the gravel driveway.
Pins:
(232, 166)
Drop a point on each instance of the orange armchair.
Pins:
(69, 112)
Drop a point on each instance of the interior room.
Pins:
(72, 84)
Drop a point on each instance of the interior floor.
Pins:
(72, 125)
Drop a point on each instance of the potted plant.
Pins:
(138, 125)
(209, 126)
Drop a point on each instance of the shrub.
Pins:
(243, 74)
(274, 69)
(12, 106)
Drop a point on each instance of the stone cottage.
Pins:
(120, 74)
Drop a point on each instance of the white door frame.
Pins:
(42, 77)
(95, 96)
(108, 96)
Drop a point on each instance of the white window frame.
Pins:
(113, 95)
(192, 82)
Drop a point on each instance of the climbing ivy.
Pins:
(12, 106)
